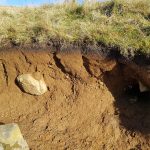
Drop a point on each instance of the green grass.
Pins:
(124, 24)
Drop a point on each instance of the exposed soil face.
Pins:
(85, 107)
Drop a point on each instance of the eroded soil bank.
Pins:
(85, 107)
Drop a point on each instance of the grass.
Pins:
(122, 24)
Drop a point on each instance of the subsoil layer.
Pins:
(84, 109)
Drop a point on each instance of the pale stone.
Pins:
(142, 87)
(1, 147)
(32, 83)
(11, 138)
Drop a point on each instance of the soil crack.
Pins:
(26, 58)
(60, 65)
(5, 72)
(86, 65)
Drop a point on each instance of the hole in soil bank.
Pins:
(1, 123)
(132, 106)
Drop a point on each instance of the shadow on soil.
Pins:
(133, 115)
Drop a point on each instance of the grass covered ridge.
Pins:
(124, 24)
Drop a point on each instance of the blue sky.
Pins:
(24, 2)
(28, 2)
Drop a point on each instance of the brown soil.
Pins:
(84, 108)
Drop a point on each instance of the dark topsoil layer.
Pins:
(99, 49)
(95, 50)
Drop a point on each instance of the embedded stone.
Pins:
(142, 87)
(32, 83)
(11, 138)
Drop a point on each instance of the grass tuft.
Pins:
(124, 24)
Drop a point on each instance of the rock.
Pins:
(32, 83)
(142, 87)
(11, 138)
(1, 147)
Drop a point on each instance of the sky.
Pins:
(28, 2)
(25, 2)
